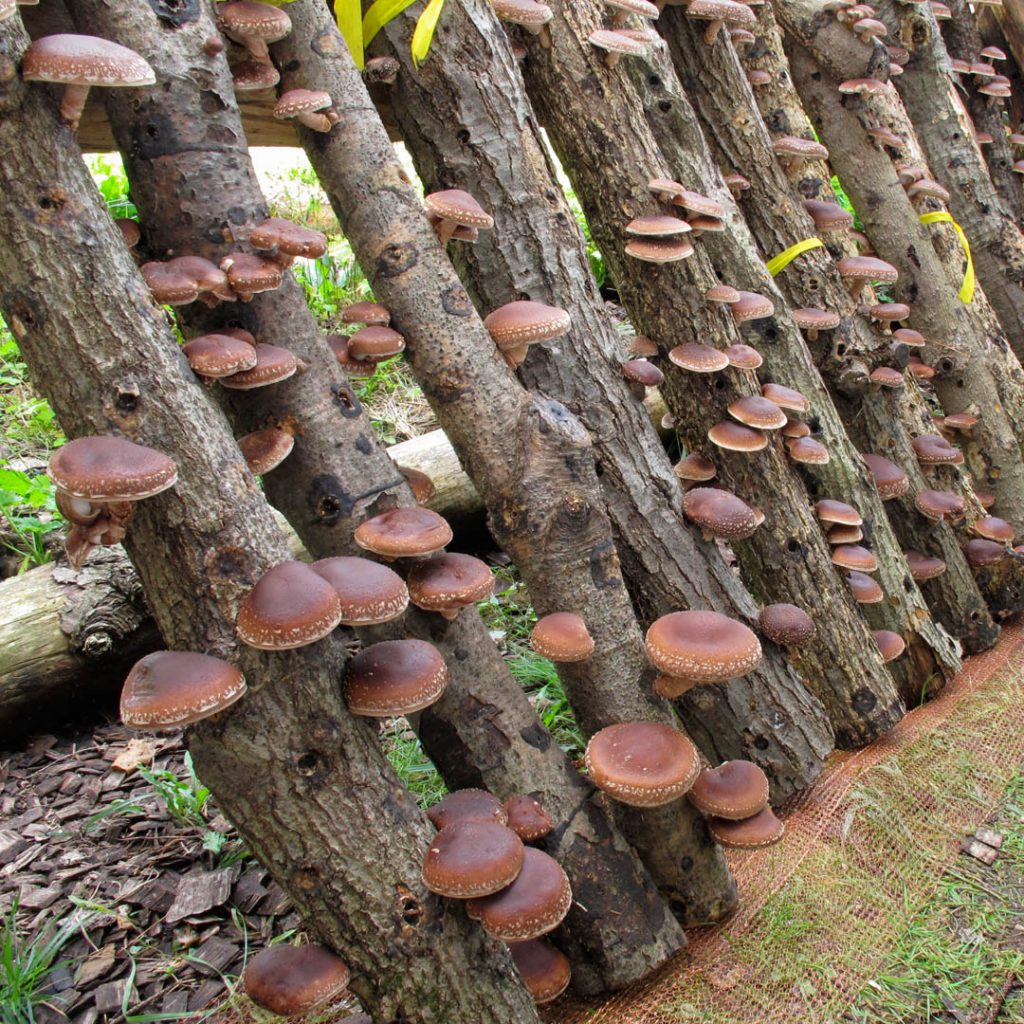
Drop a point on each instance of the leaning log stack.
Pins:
(838, 527)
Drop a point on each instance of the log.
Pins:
(286, 763)
(336, 476)
(536, 251)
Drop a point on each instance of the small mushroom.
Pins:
(306, 106)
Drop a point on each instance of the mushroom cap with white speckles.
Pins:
(71, 59)
(705, 646)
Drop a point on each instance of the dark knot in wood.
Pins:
(455, 301)
(306, 878)
(396, 259)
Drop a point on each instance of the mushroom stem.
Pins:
(812, 334)
(445, 229)
(72, 104)
(514, 356)
(451, 614)
(611, 59)
(619, 19)
(317, 120)
(711, 32)
(257, 48)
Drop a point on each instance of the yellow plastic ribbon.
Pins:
(383, 11)
(966, 292)
(423, 33)
(349, 16)
(783, 260)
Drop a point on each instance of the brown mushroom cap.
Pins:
(657, 226)
(659, 250)
(698, 358)
(106, 468)
(696, 467)
(890, 481)
(751, 306)
(865, 589)
(644, 764)
(795, 428)
(719, 513)
(859, 270)
(422, 487)
(807, 450)
(755, 411)
(828, 216)
(806, 149)
(370, 593)
(744, 357)
(369, 313)
(273, 365)
(828, 510)
(981, 552)
(910, 337)
(525, 322)
(545, 970)
(844, 535)
(853, 556)
(993, 528)
(786, 624)
(639, 371)
(79, 62)
(395, 677)
(249, 274)
(472, 859)
(404, 533)
(254, 76)
(467, 805)
(534, 904)
(527, 818)
(290, 606)
(172, 689)
(735, 790)
(374, 344)
(265, 450)
(887, 377)
(935, 450)
(449, 582)
(563, 637)
(289, 980)
(889, 312)
(763, 829)
(704, 646)
(722, 293)
(459, 207)
(890, 645)
(218, 355)
(737, 438)
(530, 14)
(923, 567)
(785, 398)
(940, 504)
(288, 238)
(253, 24)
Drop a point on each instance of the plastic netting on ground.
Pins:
(864, 847)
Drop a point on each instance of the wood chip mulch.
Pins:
(157, 912)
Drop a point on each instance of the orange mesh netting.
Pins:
(864, 848)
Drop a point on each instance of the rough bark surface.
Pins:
(845, 356)
(67, 638)
(966, 374)
(468, 124)
(531, 460)
(337, 474)
(712, 80)
(963, 39)
(287, 763)
(596, 123)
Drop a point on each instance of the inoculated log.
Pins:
(478, 133)
(287, 762)
(531, 460)
(844, 355)
(963, 40)
(596, 123)
(734, 132)
(337, 475)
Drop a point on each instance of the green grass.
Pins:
(27, 962)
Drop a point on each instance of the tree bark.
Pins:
(67, 639)
(963, 39)
(968, 376)
(943, 128)
(287, 762)
(337, 475)
(718, 87)
(477, 132)
(531, 460)
(596, 124)
(735, 135)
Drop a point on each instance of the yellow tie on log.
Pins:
(966, 292)
(783, 260)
